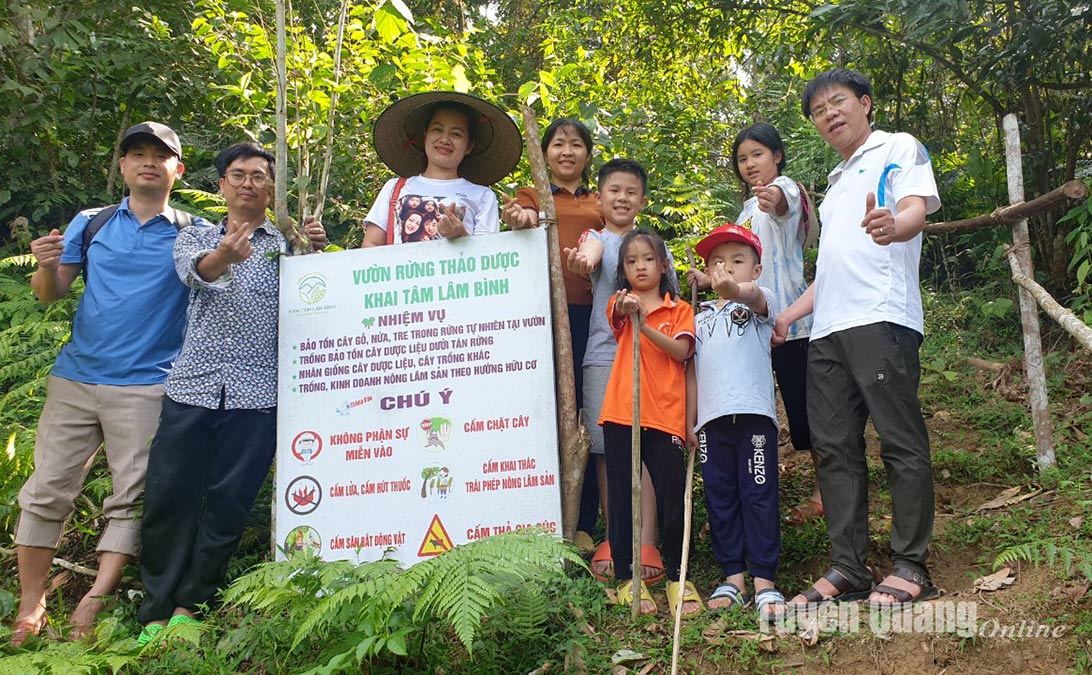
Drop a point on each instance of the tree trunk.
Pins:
(284, 223)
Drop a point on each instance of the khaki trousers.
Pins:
(76, 420)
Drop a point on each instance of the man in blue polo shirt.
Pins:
(106, 386)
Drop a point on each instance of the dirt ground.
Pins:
(1025, 605)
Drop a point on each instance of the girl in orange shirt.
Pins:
(647, 292)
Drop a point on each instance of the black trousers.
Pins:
(579, 325)
(853, 374)
(204, 471)
(666, 466)
(790, 365)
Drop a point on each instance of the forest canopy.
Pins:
(665, 83)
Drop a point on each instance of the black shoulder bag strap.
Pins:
(180, 219)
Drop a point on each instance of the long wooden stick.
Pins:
(1065, 318)
(693, 287)
(635, 466)
(1029, 313)
(688, 514)
(574, 445)
(328, 155)
(1006, 215)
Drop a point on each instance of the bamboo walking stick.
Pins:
(574, 444)
(635, 466)
(693, 287)
(688, 514)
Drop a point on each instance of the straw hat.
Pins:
(399, 135)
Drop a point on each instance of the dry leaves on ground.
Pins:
(1000, 579)
(1007, 498)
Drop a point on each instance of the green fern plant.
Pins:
(526, 613)
(355, 613)
(65, 658)
(1064, 554)
(31, 336)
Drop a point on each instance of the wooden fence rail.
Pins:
(1032, 296)
(1006, 215)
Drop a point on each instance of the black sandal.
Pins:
(846, 591)
(928, 590)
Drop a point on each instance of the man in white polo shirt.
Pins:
(866, 332)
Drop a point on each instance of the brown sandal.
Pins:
(927, 590)
(846, 591)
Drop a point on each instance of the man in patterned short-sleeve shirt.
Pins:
(217, 432)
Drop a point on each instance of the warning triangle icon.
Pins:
(436, 540)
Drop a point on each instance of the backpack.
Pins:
(811, 218)
(180, 219)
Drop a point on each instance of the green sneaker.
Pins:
(149, 633)
(179, 619)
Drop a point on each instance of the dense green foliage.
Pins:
(666, 83)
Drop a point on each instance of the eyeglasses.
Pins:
(836, 102)
(237, 178)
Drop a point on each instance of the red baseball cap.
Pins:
(726, 233)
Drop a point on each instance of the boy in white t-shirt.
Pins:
(867, 330)
(736, 419)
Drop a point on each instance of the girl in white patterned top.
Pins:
(775, 210)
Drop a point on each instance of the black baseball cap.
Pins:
(159, 132)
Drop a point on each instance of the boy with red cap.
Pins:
(736, 420)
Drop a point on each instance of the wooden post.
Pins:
(280, 190)
(1029, 313)
(688, 515)
(574, 444)
(635, 465)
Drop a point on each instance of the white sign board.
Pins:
(416, 397)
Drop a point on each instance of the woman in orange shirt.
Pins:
(567, 145)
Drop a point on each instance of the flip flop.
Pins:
(729, 590)
(770, 597)
(149, 633)
(24, 629)
(846, 591)
(650, 557)
(602, 554)
(624, 597)
(689, 594)
(180, 619)
(806, 510)
(904, 598)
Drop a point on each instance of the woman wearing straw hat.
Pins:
(446, 148)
